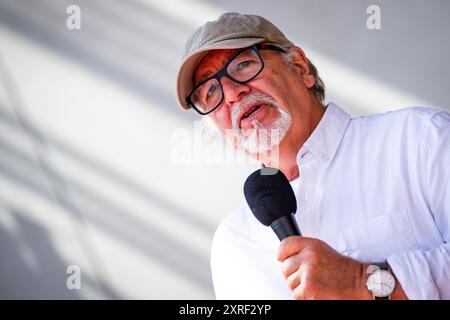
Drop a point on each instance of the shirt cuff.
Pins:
(413, 272)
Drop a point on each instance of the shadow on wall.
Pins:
(30, 267)
(133, 52)
(129, 52)
(174, 254)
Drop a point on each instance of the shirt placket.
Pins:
(309, 195)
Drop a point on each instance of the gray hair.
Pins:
(318, 89)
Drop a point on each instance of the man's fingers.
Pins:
(291, 246)
(290, 265)
(299, 292)
(293, 281)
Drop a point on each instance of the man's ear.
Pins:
(301, 63)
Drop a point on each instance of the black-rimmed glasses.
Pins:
(242, 67)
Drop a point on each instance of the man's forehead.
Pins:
(210, 63)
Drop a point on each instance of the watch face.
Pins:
(381, 283)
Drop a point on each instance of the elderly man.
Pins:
(373, 193)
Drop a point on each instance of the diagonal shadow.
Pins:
(114, 11)
(42, 277)
(146, 195)
(110, 218)
(80, 48)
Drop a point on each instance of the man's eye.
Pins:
(244, 64)
(211, 90)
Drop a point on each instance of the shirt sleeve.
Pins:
(426, 274)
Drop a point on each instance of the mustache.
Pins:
(249, 99)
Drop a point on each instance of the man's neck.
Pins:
(285, 157)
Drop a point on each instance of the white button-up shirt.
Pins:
(374, 188)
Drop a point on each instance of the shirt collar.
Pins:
(328, 134)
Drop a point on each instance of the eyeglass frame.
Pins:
(223, 72)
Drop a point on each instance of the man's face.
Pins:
(277, 99)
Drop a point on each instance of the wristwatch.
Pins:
(381, 281)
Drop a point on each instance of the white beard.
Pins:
(262, 138)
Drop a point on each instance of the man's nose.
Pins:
(232, 90)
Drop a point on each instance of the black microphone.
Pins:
(271, 199)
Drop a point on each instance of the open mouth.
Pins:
(249, 112)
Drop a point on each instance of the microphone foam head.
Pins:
(269, 196)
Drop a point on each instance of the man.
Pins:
(373, 193)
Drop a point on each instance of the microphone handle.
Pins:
(285, 226)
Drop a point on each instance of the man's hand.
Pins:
(314, 270)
